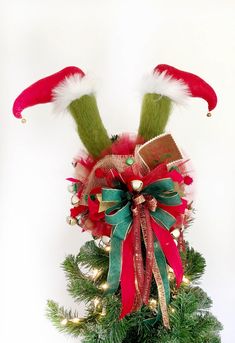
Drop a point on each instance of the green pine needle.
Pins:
(92, 256)
(58, 314)
(194, 264)
(189, 311)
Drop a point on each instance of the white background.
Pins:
(118, 41)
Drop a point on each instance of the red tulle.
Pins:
(93, 205)
(75, 211)
(125, 144)
(71, 179)
(101, 229)
(87, 161)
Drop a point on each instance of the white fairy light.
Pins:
(64, 322)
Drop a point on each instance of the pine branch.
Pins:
(189, 313)
(108, 328)
(71, 267)
(84, 289)
(190, 321)
(60, 319)
(92, 256)
(80, 286)
(194, 263)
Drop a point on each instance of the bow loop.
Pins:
(123, 212)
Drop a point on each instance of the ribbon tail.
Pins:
(120, 232)
(160, 258)
(161, 295)
(148, 240)
(138, 258)
(170, 250)
(115, 258)
(128, 289)
(181, 242)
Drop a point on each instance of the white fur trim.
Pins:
(70, 89)
(164, 84)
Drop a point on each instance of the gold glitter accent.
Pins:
(161, 294)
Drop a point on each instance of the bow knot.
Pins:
(139, 199)
(147, 199)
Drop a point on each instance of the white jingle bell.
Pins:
(137, 185)
(75, 200)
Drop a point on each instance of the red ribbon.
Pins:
(170, 250)
(128, 276)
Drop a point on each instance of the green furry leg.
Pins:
(89, 125)
(154, 115)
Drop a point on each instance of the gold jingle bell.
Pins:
(75, 200)
(152, 305)
(137, 185)
(71, 221)
(176, 233)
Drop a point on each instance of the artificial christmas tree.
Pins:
(137, 276)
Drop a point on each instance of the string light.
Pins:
(95, 274)
(103, 313)
(64, 322)
(171, 275)
(186, 280)
(75, 320)
(152, 304)
(108, 248)
(96, 302)
(104, 286)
